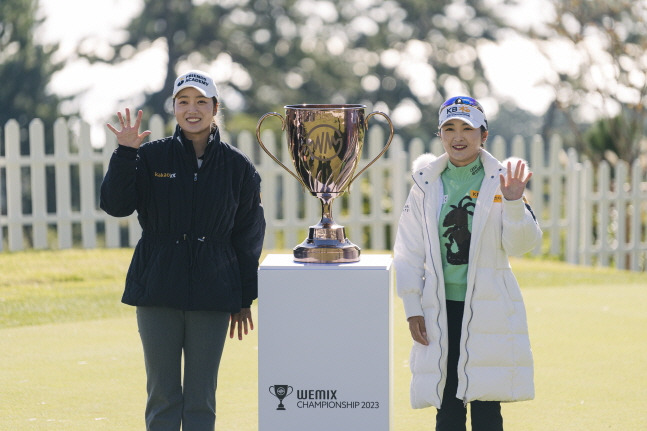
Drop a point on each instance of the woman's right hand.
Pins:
(129, 136)
(418, 329)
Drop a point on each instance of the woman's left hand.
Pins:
(514, 183)
(242, 319)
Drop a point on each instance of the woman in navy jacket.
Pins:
(194, 270)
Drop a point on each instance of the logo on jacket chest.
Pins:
(165, 174)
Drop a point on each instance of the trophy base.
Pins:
(326, 251)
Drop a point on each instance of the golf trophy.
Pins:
(325, 143)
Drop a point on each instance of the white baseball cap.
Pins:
(462, 108)
(197, 79)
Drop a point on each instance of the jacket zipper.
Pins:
(439, 393)
(467, 353)
(192, 234)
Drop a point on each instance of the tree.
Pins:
(403, 57)
(25, 70)
(25, 66)
(597, 49)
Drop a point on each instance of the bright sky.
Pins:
(69, 22)
(515, 68)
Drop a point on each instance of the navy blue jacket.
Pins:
(203, 228)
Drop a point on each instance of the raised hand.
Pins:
(129, 136)
(514, 183)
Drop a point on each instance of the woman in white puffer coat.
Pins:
(464, 216)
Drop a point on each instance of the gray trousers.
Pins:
(174, 399)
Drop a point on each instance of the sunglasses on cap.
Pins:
(461, 100)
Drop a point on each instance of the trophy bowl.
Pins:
(325, 144)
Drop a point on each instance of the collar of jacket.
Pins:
(427, 168)
(187, 144)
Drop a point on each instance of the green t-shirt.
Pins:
(461, 186)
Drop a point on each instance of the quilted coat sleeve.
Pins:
(248, 235)
(409, 254)
(521, 231)
(118, 189)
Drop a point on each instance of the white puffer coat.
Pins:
(495, 358)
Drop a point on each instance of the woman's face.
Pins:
(194, 112)
(461, 141)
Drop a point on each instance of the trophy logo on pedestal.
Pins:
(325, 143)
(280, 392)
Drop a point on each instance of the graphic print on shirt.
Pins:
(456, 225)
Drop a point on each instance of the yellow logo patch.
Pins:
(165, 174)
(474, 194)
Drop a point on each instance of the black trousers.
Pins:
(452, 415)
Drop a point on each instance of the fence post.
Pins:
(573, 206)
(416, 149)
(87, 185)
(63, 189)
(638, 200)
(437, 147)
(376, 191)
(540, 173)
(621, 255)
(604, 252)
(497, 148)
(14, 186)
(585, 199)
(557, 194)
(38, 189)
(399, 181)
(519, 148)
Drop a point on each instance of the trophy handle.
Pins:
(258, 138)
(386, 147)
(290, 388)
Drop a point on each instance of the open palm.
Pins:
(513, 183)
(129, 136)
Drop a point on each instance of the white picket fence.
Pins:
(589, 216)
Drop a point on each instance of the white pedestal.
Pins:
(325, 338)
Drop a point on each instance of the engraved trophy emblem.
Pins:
(280, 392)
(325, 144)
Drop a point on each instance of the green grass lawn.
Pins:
(70, 355)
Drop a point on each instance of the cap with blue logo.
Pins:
(197, 79)
(462, 108)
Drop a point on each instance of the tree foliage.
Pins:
(400, 56)
(25, 66)
(605, 76)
